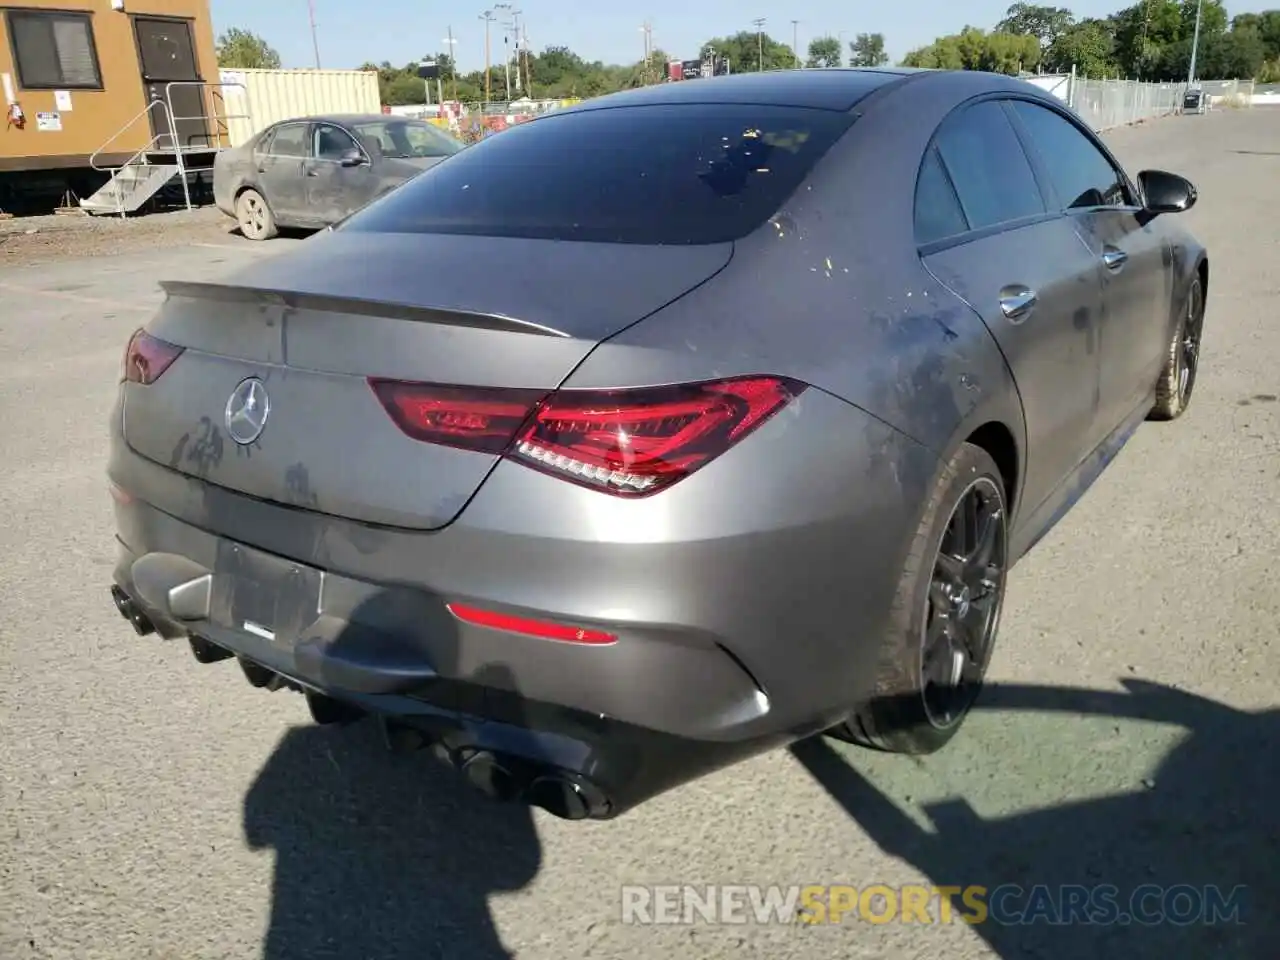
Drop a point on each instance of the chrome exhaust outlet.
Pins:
(142, 626)
(564, 798)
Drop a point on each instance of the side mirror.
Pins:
(352, 158)
(1166, 192)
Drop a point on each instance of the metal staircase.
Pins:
(163, 159)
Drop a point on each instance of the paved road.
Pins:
(151, 808)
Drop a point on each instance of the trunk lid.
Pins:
(314, 323)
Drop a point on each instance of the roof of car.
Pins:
(346, 119)
(834, 88)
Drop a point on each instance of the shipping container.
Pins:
(255, 99)
(81, 80)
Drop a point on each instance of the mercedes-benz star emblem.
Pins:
(247, 411)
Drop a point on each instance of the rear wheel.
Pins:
(1178, 378)
(254, 216)
(945, 615)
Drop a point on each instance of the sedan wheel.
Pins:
(962, 612)
(254, 216)
(945, 615)
(1178, 378)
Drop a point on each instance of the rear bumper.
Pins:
(742, 622)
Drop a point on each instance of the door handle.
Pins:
(1017, 302)
(1114, 258)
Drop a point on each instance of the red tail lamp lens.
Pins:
(469, 418)
(635, 442)
(147, 357)
(629, 442)
(532, 628)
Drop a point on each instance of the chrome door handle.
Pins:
(1017, 302)
(1114, 258)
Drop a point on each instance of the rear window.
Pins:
(655, 174)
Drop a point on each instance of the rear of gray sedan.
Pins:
(414, 468)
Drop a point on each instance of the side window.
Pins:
(991, 173)
(332, 142)
(263, 147)
(1081, 174)
(938, 213)
(289, 141)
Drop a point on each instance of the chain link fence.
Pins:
(1105, 104)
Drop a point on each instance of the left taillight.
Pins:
(147, 357)
(628, 443)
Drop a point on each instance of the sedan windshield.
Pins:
(408, 139)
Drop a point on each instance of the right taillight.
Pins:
(629, 442)
(147, 357)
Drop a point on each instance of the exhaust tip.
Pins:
(559, 797)
(483, 771)
(125, 606)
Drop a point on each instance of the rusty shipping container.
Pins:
(255, 99)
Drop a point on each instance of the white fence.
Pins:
(1105, 104)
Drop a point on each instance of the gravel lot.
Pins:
(153, 809)
(25, 241)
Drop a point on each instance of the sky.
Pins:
(350, 33)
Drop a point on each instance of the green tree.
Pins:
(975, 49)
(867, 50)
(744, 52)
(243, 50)
(824, 52)
(1046, 24)
(1088, 46)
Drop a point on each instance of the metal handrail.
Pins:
(173, 123)
(148, 148)
(145, 111)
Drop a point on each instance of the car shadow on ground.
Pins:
(379, 855)
(1209, 817)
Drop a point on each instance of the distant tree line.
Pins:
(1150, 40)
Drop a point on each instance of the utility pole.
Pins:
(758, 23)
(528, 71)
(795, 40)
(1195, 45)
(488, 18)
(315, 40)
(453, 62)
(515, 52)
(647, 30)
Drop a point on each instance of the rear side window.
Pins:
(991, 173)
(669, 174)
(938, 213)
(289, 141)
(1082, 175)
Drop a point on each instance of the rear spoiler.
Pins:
(328, 303)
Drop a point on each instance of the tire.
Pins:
(254, 216)
(903, 716)
(1178, 378)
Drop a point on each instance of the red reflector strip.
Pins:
(119, 494)
(532, 628)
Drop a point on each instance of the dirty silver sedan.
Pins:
(313, 171)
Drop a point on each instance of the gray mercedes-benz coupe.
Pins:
(661, 431)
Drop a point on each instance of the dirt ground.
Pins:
(31, 240)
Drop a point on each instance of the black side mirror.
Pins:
(1166, 192)
(352, 158)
